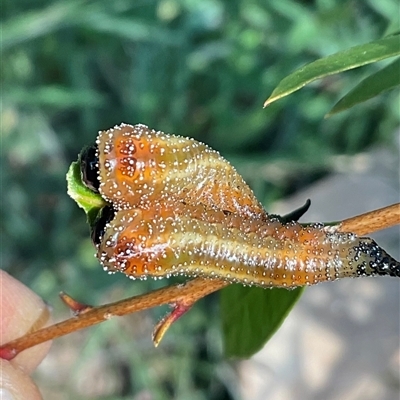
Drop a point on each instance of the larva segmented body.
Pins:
(139, 166)
(177, 207)
(194, 241)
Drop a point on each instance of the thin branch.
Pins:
(373, 221)
(182, 296)
(189, 292)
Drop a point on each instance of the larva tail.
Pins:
(371, 260)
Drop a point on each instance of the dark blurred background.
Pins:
(199, 68)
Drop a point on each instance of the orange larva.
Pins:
(138, 165)
(195, 241)
(178, 208)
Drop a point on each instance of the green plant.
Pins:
(199, 69)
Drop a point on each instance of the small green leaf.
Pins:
(251, 315)
(85, 198)
(385, 79)
(335, 63)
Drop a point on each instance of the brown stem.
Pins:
(189, 292)
(186, 294)
(372, 221)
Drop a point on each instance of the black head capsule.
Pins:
(90, 168)
(105, 216)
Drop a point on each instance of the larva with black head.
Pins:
(182, 209)
(193, 240)
(138, 166)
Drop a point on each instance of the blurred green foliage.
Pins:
(190, 67)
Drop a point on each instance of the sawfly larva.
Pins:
(182, 239)
(176, 207)
(134, 166)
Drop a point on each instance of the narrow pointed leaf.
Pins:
(385, 79)
(251, 315)
(335, 63)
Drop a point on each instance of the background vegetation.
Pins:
(196, 68)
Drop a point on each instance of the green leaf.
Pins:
(251, 315)
(335, 63)
(90, 201)
(385, 79)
